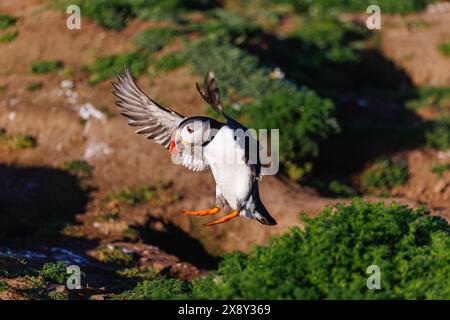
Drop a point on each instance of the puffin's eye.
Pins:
(190, 130)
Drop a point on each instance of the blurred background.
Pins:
(362, 113)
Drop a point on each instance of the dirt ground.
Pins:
(122, 158)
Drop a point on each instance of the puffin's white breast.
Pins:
(227, 161)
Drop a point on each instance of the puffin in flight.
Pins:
(200, 143)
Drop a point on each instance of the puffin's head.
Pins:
(194, 131)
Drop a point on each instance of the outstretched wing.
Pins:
(155, 121)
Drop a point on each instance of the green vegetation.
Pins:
(339, 189)
(3, 286)
(225, 24)
(437, 98)
(78, 167)
(444, 48)
(109, 66)
(154, 39)
(116, 14)
(113, 254)
(46, 66)
(336, 40)
(303, 118)
(329, 260)
(440, 169)
(158, 194)
(16, 141)
(238, 72)
(159, 288)
(34, 86)
(11, 267)
(55, 295)
(139, 273)
(170, 61)
(383, 175)
(6, 21)
(55, 272)
(8, 36)
(438, 134)
(387, 6)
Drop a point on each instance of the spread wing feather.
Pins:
(153, 120)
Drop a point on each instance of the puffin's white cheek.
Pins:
(185, 137)
(197, 137)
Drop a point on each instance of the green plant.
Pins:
(11, 267)
(438, 134)
(34, 86)
(330, 257)
(159, 288)
(154, 39)
(238, 72)
(170, 61)
(116, 14)
(78, 167)
(383, 175)
(113, 254)
(16, 141)
(303, 118)
(232, 25)
(388, 6)
(8, 36)
(56, 295)
(46, 66)
(339, 189)
(109, 66)
(158, 194)
(141, 273)
(435, 97)
(3, 286)
(444, 48)
(6, 21)
(55, 272)
(440, 169)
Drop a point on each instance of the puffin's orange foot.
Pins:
(201, 213)
(222, 220)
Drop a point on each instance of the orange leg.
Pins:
(202, 212)
(222, 220)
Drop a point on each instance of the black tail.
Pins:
(262, 215)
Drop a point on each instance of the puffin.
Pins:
(201, 143)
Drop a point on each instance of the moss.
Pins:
(16, 141)
(79, 168)
(114, 255)
(158, 194)
(140, 273)
(383, 175)
(154, 39)
(8, 36)
(46, 66)
(6, 21)
(444, 48)
(109, 66)
(34, 86)
(440, 169)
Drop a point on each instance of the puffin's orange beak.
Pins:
(172, 145)
(172, 142)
